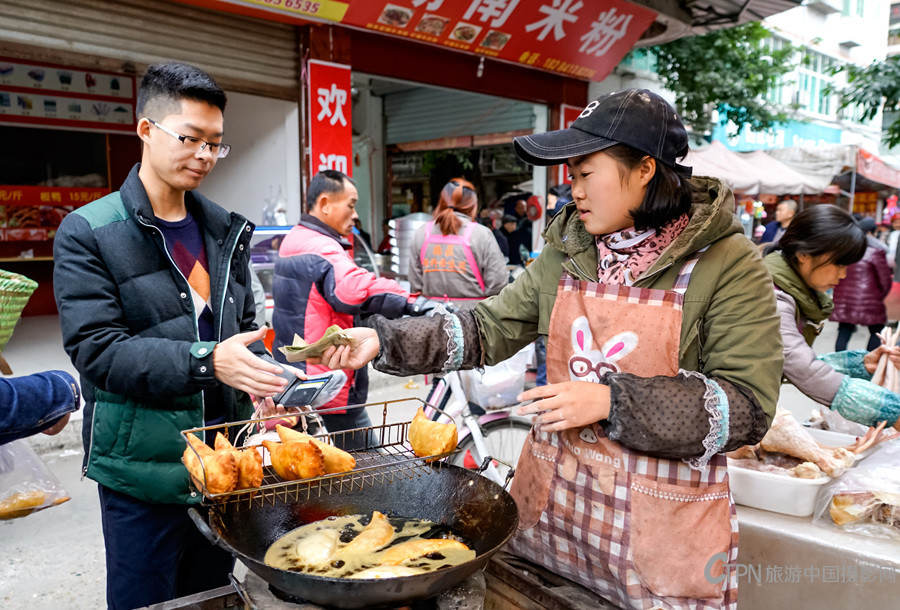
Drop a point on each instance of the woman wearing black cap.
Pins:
(813, 256)
(652, 302)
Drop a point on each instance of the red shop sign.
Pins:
(330, 131)
(567, 116)
(580, 38)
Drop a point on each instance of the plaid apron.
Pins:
(642, 532)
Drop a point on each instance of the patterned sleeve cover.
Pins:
(661, 416)
(857, 399)
(429, 345)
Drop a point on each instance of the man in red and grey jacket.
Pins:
(317, 284)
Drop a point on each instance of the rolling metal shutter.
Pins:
(242, 53)
(425, 114)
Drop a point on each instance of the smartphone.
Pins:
(300, 392)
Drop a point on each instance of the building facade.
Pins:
(830, 33)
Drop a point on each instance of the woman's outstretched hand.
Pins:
(345, 357)
(571, 404)
(870, 361)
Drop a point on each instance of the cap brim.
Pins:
(555, 147)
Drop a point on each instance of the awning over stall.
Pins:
(754, 172)
(851, 167)
(779, 178)
(717, 161)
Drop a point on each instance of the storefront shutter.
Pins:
(427, 114)
(242, 53)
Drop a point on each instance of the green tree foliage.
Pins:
(873, 88)
(727, 70)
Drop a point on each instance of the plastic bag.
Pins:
(499, 385)
(826, 419)
(866, 498)
(26, 484)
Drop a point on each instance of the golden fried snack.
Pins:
(429, 437)
(336, 460)
(317, 548)
(296, 460)
(416, 548)
(21, 503)
(249, 463)
(374, 536)
(221, 466)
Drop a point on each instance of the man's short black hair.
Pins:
(165, 85)
(326, 182)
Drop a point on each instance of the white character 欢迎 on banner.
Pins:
(562, 11)
(336, 162)
(605, 32)
(498, 10)
(331, 102)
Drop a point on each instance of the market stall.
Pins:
(753, 173)
(859, 174)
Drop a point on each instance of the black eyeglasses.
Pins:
(195, 145)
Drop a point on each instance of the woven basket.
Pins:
(15, 290)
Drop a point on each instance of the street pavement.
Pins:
(55, 558)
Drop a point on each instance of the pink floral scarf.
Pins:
(624, 255)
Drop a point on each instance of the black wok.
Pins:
(473, 506)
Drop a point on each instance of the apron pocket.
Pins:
(676, 531)
(531, 484)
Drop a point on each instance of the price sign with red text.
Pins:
(567, 116)
(330, 132)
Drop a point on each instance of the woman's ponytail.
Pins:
(458, 195)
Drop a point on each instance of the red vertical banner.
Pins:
(567, 116)
(330, 131)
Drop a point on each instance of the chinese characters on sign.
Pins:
(330, 133)
(581, 38)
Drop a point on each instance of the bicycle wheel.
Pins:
(503, 438)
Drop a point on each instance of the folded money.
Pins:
(300, 350)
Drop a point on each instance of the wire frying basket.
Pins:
(385, 457)
(15, 290)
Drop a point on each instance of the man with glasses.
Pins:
(153, 289)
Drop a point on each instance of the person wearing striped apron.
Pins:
(663, 353)
(635, 509)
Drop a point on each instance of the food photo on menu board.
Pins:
(32, 223)
(495, 40)
(465, 32)
(396, 16)
(432, 24)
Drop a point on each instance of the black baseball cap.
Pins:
(636, 117)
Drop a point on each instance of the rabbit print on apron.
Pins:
(590, 365)
(638, 530)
